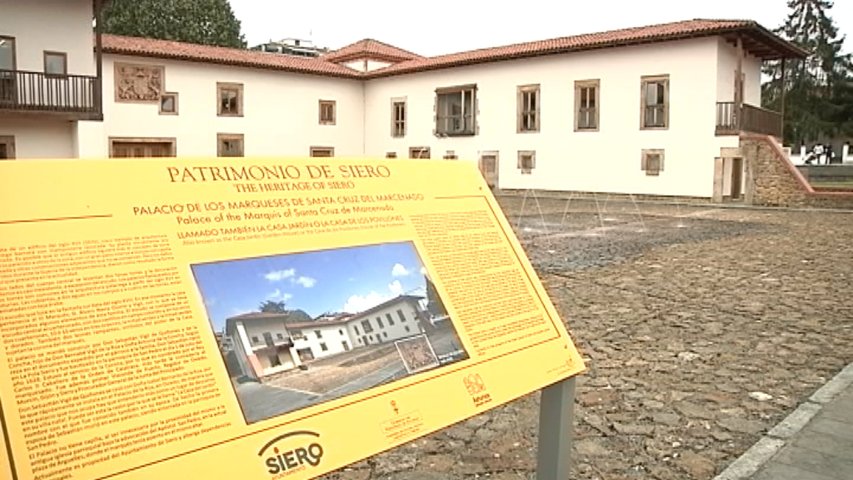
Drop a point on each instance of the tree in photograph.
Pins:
(271, 306)
(207, 22)
(817, 86)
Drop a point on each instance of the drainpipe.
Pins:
(99, 67)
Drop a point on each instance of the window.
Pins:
(398, 118)
(322, 151)
(365, 324)
(7, 147)
(526, 161)
(275, 361)
(323, 347)
(379, 322)
(456, 111)
(169, 104)
(279, 336)
(586, 105)
(450, 155)
(655, 106)
(391, 155)
(652, 162)
(402, 317)
(528, 108)
(230, 98)
(142, 147)
(327, 112)
(389, 318)
(341, 333)
(255, 340)
(55, 63)
(318, 333)
(8, 90)
(407, 328)
(385, 334)
(419, 152)
(229, 145)
(355, 328)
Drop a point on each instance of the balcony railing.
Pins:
(40, 92)
(750, 119)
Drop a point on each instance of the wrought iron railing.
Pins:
(40, 92)
(750, 119)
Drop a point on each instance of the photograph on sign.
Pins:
(299, 329)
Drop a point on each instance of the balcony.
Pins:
(71, 96)
(750, 119)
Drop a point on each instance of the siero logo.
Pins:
(282, 461)
(477, 389)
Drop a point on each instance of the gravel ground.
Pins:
(702, 329)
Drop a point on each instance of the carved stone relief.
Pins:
(138, 83)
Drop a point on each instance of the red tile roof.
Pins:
(756, 39)
(370, 48)
(168, 49)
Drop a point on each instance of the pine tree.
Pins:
(207, 22)
(817, 86)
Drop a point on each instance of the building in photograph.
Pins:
(392, 320)
(262, 344)
(50, 76)
(265, 344)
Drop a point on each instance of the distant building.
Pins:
(292, 46)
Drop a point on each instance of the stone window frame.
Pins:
(174, 102)
(420, 152)
(651, 168)
(526, 161)
(399, 117)
(318, 151)
(327, 112)
(222, 87)
(580, 109)
(645, 82)
(527, 95)
(221, 138)
(63, 56)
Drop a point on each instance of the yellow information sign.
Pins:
(255, 318)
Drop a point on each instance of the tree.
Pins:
(207, 22)
(817, 87)
(270, 306)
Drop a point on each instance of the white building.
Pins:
(650, 110)
(266, 343)
(262, 343)
(49, 76)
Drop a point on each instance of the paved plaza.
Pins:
(702, 327)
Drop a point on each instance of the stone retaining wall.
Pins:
(777, 182)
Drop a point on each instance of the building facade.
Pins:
(266, 344)
(49, 76)
(655, 110)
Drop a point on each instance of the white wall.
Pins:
(603, 161)
(55, 25)
(40, 138)
(280, 112)
(331, 335)
(389, 331)
(727, 58)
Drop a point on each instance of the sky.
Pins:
(342, 280)
(437, 27)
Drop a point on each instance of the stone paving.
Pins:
(702, 328)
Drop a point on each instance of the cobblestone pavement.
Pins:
(702, 328)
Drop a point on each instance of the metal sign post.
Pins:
(556, 422)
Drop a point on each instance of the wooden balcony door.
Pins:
(8, 65)
(142, 148)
